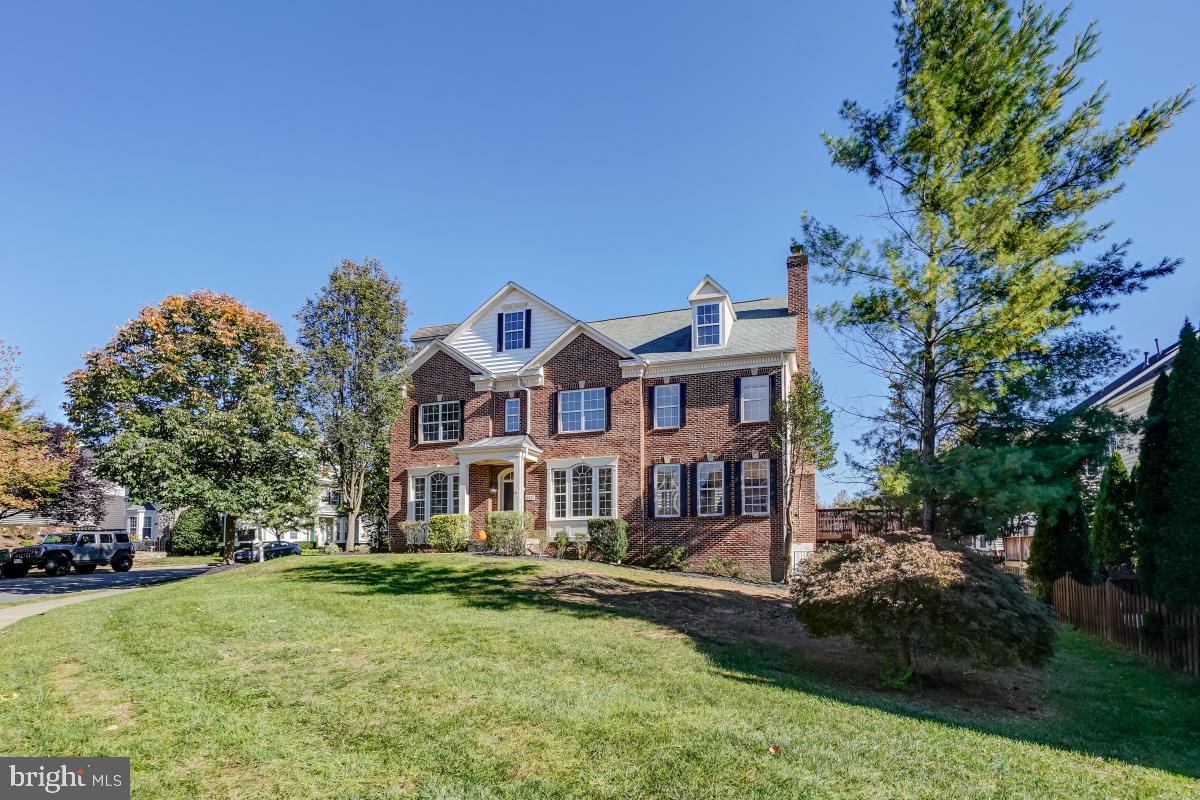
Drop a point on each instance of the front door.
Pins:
(507, 494)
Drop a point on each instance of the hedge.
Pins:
(610, 538)
(449, 533)
(507, 530)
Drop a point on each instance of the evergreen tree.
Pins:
(1178, 547)
(1113, 518)
(1061, 546)
(1152, 471)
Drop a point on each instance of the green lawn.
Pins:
(461, 676)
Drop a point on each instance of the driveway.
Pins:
(38, 587)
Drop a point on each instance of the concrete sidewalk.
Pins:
(19, 611)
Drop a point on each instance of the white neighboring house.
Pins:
(143, 523)
(329, 523)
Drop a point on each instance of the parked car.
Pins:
(271, 550)
(58, 553)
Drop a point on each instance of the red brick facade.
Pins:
(711, 428)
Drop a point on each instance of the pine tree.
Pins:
(1113, 519)
(1177, 551)
(1152, 473)
(1060, 546)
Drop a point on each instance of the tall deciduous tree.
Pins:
(352, 334)
(1113, 519)
(1178, 547)
(32, 472)
(197, 402)
(805, 440)
(989, 182)
(1150, 492)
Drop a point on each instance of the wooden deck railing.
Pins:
(847, 524)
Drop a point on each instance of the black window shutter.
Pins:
(737, 399)
(773, 473)
(774, 396)
(650, 406)
(416, 423)
(728, 488)
(500, 333)
(694, 486)
(528, 327)
(607, 408)
(554, 412)
(682, 404)
(737, 488)
(462, 421)
(684, 494)
(651, 497)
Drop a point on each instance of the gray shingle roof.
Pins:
(762, 326)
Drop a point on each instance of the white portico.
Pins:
(513, 452)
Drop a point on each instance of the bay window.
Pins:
(582, 491)
(434, 493)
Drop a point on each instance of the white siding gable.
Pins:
(477, 340)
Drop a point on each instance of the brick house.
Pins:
(662, 419)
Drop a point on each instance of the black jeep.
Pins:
(57, 553)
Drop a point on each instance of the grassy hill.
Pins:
(463, 676)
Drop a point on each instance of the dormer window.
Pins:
(708, 325)
(512, 330)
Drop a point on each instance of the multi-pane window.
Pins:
(756, 398)
(440, 422)
(666, 490)
(582, 410)
(710, 488)
(147, 527)
(434, 494)
(512, 415)
(756, 487)
(708, 324)
(666, 406)
(419, 499)
(439, 494)
(582, 491)
(514, 330)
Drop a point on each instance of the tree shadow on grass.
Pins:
(751, 636)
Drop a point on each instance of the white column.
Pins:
(464, 482)
(519, 482)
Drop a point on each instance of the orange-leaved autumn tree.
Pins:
(196, 403)
(31, 471)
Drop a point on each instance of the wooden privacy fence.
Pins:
(847, 524)
(1135, 622)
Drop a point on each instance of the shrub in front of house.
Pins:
(665, 557)
(507, 531)
(561, 540)
(725, 567)
(903, 595)
(307, 544)
(333, 549)
(196, 532)
(449, 533)
(609, 538)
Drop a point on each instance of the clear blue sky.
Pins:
(605, 155)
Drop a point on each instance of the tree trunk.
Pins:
(928, 438)
(228, 536)
(351, 524)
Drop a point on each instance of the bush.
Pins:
(506, 531)
(561, 539)
(901, 594)
(362, 549)
(333, 549)
(726, 567)
(307, 544)
(665, 557)
(449, 533)
(197, 532)
(610, 538)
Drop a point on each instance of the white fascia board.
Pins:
(707, 289)
(507, 288)
(591, 461)
(718, 363)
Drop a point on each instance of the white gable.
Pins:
(476, 336)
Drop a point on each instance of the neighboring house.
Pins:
(142, 522)
(329, 523)
(662, 419)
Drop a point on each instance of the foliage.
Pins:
(1061, 545)
(332, 548)
(582, 546)
(32, 472)
(1113, 520)
(307, 544)
(506, 530)
(80, 499)
(990, 183)
(902, 595)
(196, 402)
(561, 540)
(196, 532)
(1177, 582)
(726, 567)
(375, 496)
(665, 557)
(610, 538)
(449, 533)
(409, 532)
(290, 514)
(1151, 488)
(352, 337)
(805, 440)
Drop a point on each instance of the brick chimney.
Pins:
(797, 295)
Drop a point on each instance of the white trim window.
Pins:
(512, 415)
(441, 422)
(756, 398)
(514, 330)
(756, 487)
(583, 491)
(582, 410)
(708, 325)
(710, 488)
(666, 490)
(435, 493)
(666, 406)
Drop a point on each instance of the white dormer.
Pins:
(712, 315)
(510, 328)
